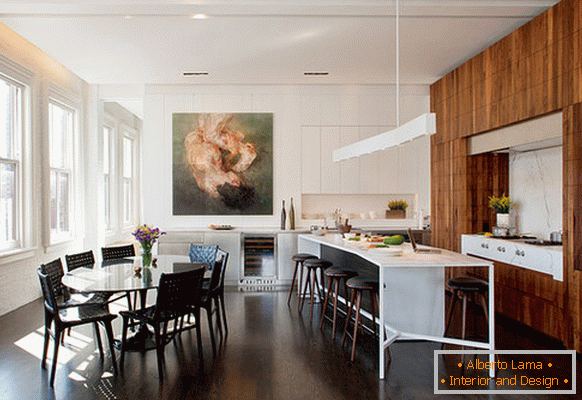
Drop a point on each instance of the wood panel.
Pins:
(535, 70)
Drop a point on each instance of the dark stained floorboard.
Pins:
(271, 352)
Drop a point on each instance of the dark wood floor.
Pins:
(271, 353)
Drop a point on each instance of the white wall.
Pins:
(43, 75)
(535, 184)
(309, 122)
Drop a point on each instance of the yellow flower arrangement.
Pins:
(397, 205)
(501, 204)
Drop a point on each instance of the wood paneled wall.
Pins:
(533, 71)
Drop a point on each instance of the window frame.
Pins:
(18, 160)
(126, 132)
(58, 237)
(109, 214)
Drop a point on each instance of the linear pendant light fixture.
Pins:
(418, 127)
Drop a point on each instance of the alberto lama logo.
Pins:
(505, 371)
(515, 380)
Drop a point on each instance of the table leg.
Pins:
(143, 339)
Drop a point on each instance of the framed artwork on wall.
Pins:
(222, 163)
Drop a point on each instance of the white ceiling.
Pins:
(263, 41)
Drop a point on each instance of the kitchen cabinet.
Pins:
(286, 248)
(528, 281)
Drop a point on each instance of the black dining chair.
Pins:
(203, 253)
(67, 316)
(176, 294)
(78, 260)
(117, 252)
(209, 298)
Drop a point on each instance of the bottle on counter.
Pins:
(291, 216)
(283, 216)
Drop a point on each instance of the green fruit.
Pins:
(396, 240)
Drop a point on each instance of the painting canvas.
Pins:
(222, 163)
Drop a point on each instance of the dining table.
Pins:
(128, 275)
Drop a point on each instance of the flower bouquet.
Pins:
(147, 236)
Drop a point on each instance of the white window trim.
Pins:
(71, 101)
(21, 77)
(128, 132)
(109, 122)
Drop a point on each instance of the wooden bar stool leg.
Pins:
(335, 294)
(293, 282)
(373, 309)
(356, 323)
(484, 304)
(450, 315)
(302, 300)
(330, 280)
(350, 306)
(311, 276)
(464, 318)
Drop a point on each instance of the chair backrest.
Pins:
(203, 253)
(48, 292)
(218, 272)
(223, 272)
(85, 259)
(117, 252)
(176, 293)
(54, 270)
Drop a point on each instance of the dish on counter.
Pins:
(221, 227)
(387, 251)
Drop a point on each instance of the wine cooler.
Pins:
(259, 259)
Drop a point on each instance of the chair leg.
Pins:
(222, 306)
(312, 280)
(58, 334)
(292, 282)
(216, 301)
(356, 323)
(330, 280)
(199, 336)
(159, 351)
(210, 328)
(110, 338)
(350, 306)
(123, 340)
(485, 307)
(47, 337)
(98, 338)
(464, 318)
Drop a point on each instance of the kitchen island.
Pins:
(412, 289)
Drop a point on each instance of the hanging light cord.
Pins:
(397, 63)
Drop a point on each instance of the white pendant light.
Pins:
(418, 127)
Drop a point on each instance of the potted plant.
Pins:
(396, 209)
(502, 205)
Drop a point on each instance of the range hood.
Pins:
(535, 134)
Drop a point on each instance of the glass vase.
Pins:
(146, 256)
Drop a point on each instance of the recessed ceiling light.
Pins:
(198, 16)
(128, 16)
(194, 73)
(315, 73)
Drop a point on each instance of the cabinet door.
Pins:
(330, 171)
(286, 248)
(229, 242)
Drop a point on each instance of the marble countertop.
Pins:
(522, 242)
(407, 259)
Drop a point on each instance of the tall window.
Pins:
(11, 101)
(107, 157)
(128, 181)
(61, 128)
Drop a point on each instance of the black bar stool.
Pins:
(299, 259)
(358, 285)
(463, 287)
(313, 266)
(334, 276)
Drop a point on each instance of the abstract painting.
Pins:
(222, 163)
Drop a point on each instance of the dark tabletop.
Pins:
(121, 275)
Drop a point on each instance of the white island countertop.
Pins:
(407, 259)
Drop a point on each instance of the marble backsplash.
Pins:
(535, 184)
